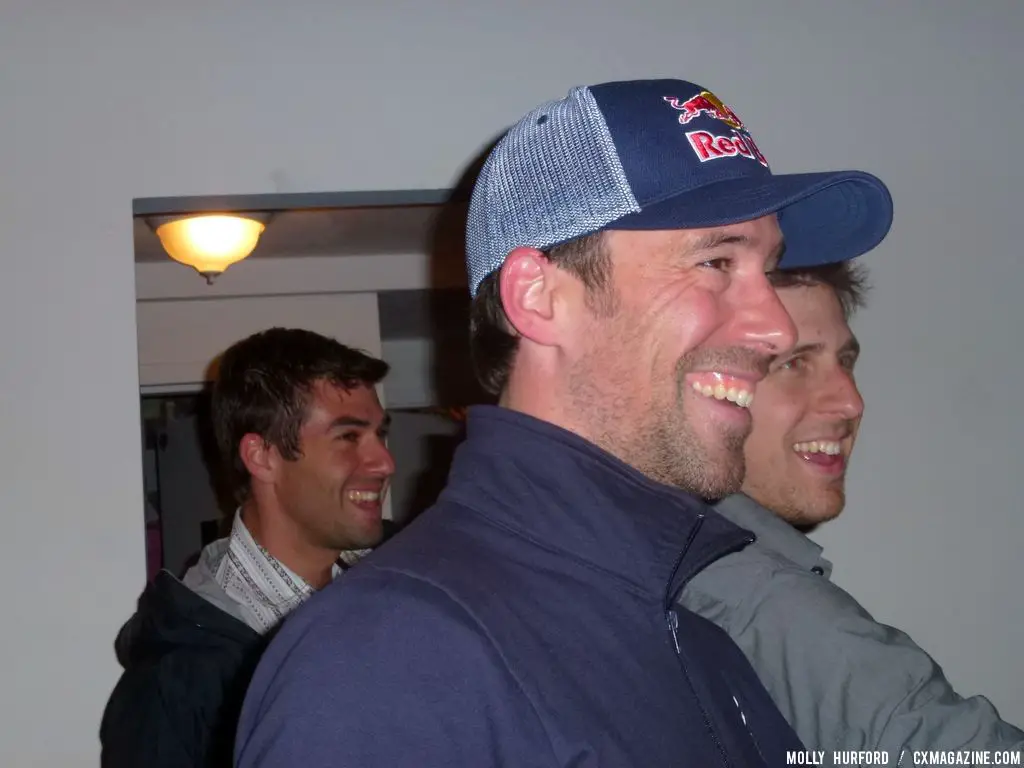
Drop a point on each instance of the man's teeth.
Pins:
(364, 495)
(741, 397)
(829, 447)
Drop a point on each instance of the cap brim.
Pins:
(824, 217)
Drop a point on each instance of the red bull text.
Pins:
(711, 147)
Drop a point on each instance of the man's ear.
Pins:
(528, 284)
(259, 457)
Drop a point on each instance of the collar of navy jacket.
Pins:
(566, 494)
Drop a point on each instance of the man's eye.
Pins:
(350, 437)
(793, 364)
(719, 264)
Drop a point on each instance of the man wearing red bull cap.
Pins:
(618, 260)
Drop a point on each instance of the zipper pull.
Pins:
(673, 627)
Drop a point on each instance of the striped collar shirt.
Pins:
(264, 588)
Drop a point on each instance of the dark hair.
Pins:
(846, 279)
(264, 383)
(493, 343)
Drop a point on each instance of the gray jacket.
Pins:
(843, 680)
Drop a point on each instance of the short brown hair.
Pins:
(847, 279)
(264, 384)
(492, 343)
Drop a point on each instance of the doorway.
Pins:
(186, 508)
(387, 278)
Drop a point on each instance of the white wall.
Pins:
(106, 101)
(178, 340)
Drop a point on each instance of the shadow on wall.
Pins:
(218, 474)
(441, 449)
(427, 438)
(218, 521)
(187, 502)
(448, 254)
(423, 443)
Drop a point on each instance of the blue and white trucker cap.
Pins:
(656, 154)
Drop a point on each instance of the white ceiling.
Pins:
(339, 232)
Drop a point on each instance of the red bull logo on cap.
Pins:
(705, 103)
(711, 147)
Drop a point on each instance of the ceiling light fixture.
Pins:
(209, 242)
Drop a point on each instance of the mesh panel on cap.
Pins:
(555, 176)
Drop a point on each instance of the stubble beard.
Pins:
(805, 510)
(659, 439)
(677, 454)
(351, 531)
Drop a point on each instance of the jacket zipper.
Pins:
(672, 618)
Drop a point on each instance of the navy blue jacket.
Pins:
(527, 619)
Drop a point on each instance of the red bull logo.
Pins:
(708, 145)
(711, 147)
(705, 103)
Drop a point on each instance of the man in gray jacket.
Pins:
(844, 681)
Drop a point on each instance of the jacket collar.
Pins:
(774, 533)
(565, 493)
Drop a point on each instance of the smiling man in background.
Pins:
(843, 680)
(301, 432)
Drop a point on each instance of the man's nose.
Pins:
(763, 321)
(379, 459)
(841, 396)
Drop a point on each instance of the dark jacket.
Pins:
(527, 619)
(187, 658)
(187, 664)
